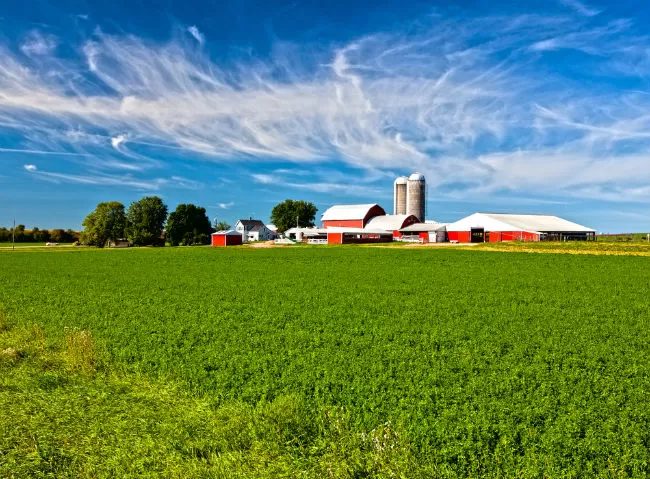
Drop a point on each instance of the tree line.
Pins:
(146, 222)
(35, 235)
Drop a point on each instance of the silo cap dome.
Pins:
(401, 180)
(416, 177)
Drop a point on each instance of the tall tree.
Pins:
(145, 221)
(105, 224)
(19, 232)
(221, 225)
(290, 213)
(188, 225)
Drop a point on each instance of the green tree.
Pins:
(221, 226)
(40, 236)
(20, 233)
(145, 221)
(71, 236)
(106, 223)
(285, 214)
(57, 235)
(188, 225)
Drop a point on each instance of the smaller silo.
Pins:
(416, 196)
(399, 196)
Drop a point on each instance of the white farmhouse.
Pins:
(254, 230)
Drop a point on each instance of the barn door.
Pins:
(477, 235)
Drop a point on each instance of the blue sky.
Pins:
(540, 107)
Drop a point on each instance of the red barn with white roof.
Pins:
(352, 216)
(495, 227)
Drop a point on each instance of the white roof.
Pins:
(387, 222)
(401, 180)
(347, 212)
(418, 227)
(510, 222)
(227, 233)
(311, 231)
(341, 229)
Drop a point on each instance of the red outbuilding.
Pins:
(226, 238)
(351, 216)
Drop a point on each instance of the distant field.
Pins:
(625, 237)
(30, 245)
(572, 247)
(317, 362)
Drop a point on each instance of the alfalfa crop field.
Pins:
(324, 362)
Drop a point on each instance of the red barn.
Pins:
(495, 227)
(351, 216)
(226, 238)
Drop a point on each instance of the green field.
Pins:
(324, 362)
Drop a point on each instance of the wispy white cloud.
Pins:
(320, 185)
(116, 141)
(196, 33)
(465, 101)
(580, 7)
(226, 206)
(38, 44)
(28, 151)
(100, 179)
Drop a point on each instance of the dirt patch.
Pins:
(439, 245)
(265, 244)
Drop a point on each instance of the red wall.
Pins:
(460, 236)
(334, 238)
(424, 236)
(374, 211)
(226, 240)
(218, 240)
(495, 236)
(344, 223)
(410, 220)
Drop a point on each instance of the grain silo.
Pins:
(399, 195)
(416, 196)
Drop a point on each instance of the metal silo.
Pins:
(399, 195)
(416, 196)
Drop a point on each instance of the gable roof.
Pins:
(251, 223)
(348, 212)
(510, 222)
(226, 233)
(424, 227)
(390, 222)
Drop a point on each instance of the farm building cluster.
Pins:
(369, 223)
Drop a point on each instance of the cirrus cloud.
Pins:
(470, 102)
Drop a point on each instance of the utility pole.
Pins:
(13, 236)
(297, 223)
